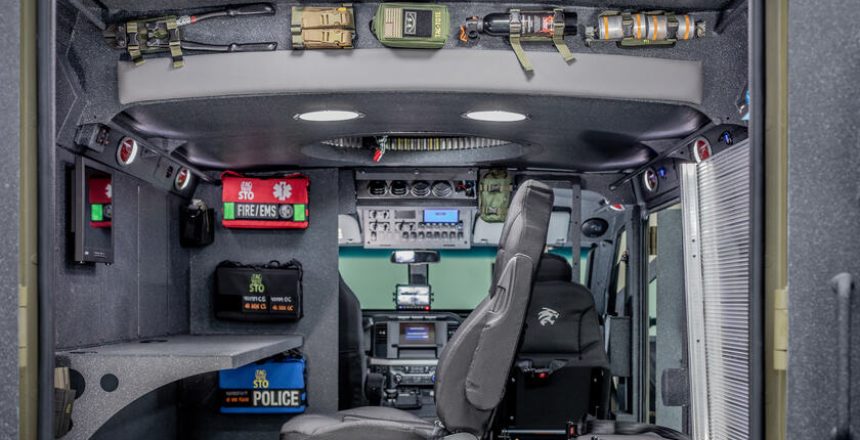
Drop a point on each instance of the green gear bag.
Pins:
(494, 196)
(412, 25)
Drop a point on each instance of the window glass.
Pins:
(459, 281)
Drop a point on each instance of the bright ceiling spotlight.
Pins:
(329, 116)
(495, 116)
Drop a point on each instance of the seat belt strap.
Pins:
(558, 34)
(134, 43)
(174, 43)
(516, 29)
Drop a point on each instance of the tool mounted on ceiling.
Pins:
(636, 29)
(331, 27)
(145, 36)
(412, 25)
(547, 25)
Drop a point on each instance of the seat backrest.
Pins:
(561, 368)
(562, 322)
(350, 352)
(474, 366)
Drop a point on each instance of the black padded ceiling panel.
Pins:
(259, 132)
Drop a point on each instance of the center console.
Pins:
(404, 352)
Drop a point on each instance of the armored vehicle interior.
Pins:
(460, 220)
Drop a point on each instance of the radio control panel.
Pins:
(414, 227)
(427, 208)
(406, 373)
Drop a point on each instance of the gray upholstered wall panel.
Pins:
(671, 311)
(316, 248)
(823, 213)
(9, 195)
(153, 416)
(593, 76)
(132, 298)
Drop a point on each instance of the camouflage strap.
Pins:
(496, 187)
(133, 43)
(325, 39)
(296, 28)
(516, 29)
(175, 48)
(322, 27)
(558, 34)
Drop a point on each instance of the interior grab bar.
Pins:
(843, 286)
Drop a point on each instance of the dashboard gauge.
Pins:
(442, 188)
(377, 187)
(399, 188)
(651, 180)
(420, 188)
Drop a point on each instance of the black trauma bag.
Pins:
(270, 292)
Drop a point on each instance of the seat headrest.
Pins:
(553, 267)
(526, 225)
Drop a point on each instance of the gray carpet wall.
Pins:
(316, 248)
(9, 195)
(823, 212)
(144, 293)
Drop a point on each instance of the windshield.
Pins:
(459, 281)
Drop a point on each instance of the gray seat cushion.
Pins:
(376, 422)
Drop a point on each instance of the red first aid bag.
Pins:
(264, 202)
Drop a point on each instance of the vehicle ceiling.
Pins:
(258, 131)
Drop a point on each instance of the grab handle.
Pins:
(843, 287)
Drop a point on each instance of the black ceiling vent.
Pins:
(416, 143)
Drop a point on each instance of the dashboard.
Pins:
(404, 351)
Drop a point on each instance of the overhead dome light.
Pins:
(495, 116)
(329, 116)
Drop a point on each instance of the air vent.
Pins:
(417, 144)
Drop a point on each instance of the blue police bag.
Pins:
(273, 386)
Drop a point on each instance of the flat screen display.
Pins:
(93, 212)
(412, 296)
(417, 334)
(441, 216)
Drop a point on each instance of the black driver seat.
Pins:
(474, 366)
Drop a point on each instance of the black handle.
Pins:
(255, 9)
(843, 287)
(238, 11)
(252, 47)
(233, 47)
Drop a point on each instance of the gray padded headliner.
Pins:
(370, 70)
(590, 116)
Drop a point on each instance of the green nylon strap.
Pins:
(558, 34)
(175, 48)
(133, 43)
(296, 27)
(516, 29)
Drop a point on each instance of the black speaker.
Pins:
(197, 227)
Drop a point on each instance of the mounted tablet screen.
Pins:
(92, 224)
